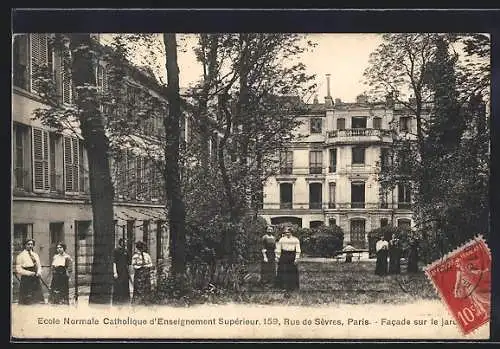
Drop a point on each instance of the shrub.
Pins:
(323, 241)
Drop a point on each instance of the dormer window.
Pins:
(316, 124)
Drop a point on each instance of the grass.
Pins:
(346, 283)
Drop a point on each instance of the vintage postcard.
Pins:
(276, 186)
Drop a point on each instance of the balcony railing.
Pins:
(315, 170)
(332, 169)
(356, 132)
(404, 205)
(288, 170)
(357, 205)
(334, 205)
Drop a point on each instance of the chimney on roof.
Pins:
(315, 101)
(328, 85)
(328, 98)
(338, 101)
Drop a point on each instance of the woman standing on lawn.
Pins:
(62, 266)
(412, 266)
(142, 264)
(268, 266)
(394, 256)
(381, 247)
(287, 254)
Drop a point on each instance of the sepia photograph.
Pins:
(247, 185)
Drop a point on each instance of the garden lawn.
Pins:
(347, 283)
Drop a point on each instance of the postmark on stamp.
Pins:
(463, 280)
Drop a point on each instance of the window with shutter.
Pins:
(131, 190)
(139, 177)
(146, 183)
(39, 58)
(52, 162)
(76, 164)
(82, 169)
(41, 159)
(71, 164)
(20, 61)
(68, 165)
(19, 157)
(22, 157)
(66, 76)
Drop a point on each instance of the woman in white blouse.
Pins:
(287, 255)
(142, 264)
(29, 269)
(61, 267)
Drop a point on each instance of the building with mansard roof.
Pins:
(329, 173)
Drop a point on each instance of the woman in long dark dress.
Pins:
(381, 248)
(142, 264)
(412, 266)
(268, 265)
(287, 254)
(121, 262)
(29, 269)
(61, 267)
(394, 257)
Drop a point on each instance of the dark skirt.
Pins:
(30, 289)
(412, 266)
(142, 286)
(268, 272)
(395, 261)
(59, 287)
(121, 289)
(381, 265)
(288, 273)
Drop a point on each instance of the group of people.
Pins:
(393, 251)
(29, 270)
(279, 262)
(142, 263)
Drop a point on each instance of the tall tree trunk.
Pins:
(210, 70)
(175, 201)
(101, 187)
(226, 181)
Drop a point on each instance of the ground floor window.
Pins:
(22, 231)
(56, 231)
(290, 220)
(358, 232)
(316, 224)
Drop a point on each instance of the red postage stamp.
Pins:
(463, 281)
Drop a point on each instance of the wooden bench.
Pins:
(338, 254)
